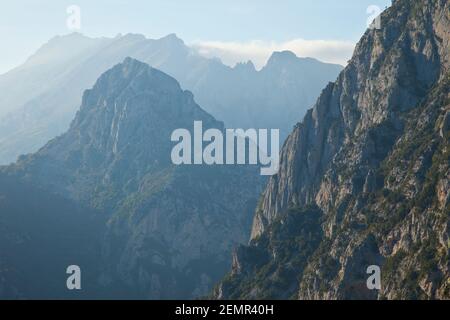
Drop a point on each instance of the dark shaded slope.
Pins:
(41, 234)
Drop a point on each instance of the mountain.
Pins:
(168, 229)
(270, 98)
(364, 180)
(40, 238)
(41, 97)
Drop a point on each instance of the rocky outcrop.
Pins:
(169, 229)
(373, 156)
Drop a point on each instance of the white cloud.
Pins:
(259, 51)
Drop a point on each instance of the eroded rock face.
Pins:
(170, 229)
(373, 156)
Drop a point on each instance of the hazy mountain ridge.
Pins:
(367, 171)
(52, 82)
(169, 229)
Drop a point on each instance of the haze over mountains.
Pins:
(53, 79)
(168, 230)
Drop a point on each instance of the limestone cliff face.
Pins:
(371, 160)
(170, 229)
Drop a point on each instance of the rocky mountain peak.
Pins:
(135, 87)
(61, 49)
(172, 38)
(288, 59)
(166, 230)
(131, 77)
(123, 126)
(247, 67)
(281, 57)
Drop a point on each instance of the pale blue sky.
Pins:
(27, 24)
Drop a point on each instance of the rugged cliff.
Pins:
(364, 179)
(169, 229)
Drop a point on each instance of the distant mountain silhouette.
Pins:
(41, 97)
